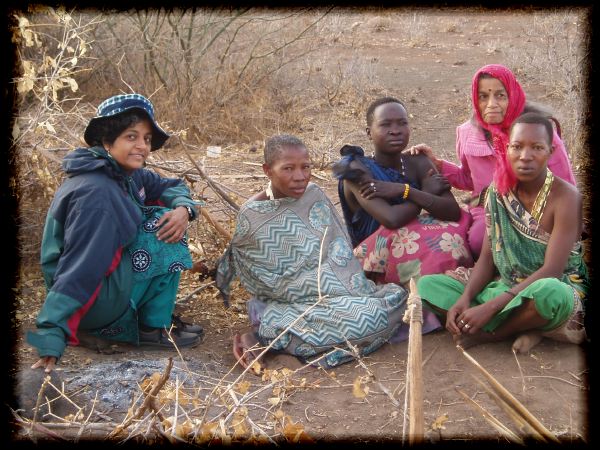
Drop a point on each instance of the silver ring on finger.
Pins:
(467, 326)
(372, 184)
(462, 321)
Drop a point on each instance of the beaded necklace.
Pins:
(393, 172)
(539, 205)
(269, 191)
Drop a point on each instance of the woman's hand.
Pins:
(47, 362)
(473, 319)
(173, 225)
(418, 149)
(435, 183)
(427, 151)
(372, 188)
(461, 305)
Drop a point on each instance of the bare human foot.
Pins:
(470, 340)
(245, 350)
(526, 341)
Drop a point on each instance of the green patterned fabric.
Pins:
(275, 252)
(554, 300)
(518, 247)
(519, 244)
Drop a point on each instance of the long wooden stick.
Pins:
(511, 400)
(416, 428)
(222, 231)
(499, 426)
(524, 428)
(209, 180)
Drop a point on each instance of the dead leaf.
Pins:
(256, 367)
(184, 429)
(294, 432)
(238, 423)
(149, 381)
(438, 424)
(357, 389)
(207, 432)
(242, 387)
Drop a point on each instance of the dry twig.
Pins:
(511, 400)
(149, 401)
(499, 426)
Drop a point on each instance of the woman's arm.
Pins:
(434, 196)
(174, 194)
(459, 176)
(390, 216)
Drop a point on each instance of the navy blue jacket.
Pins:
(94, 215)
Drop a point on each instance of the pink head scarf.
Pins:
(504, 177)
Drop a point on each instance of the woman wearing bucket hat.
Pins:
(114, 241)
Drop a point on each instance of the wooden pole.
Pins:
(215, 224)
(222, 231)
(416, 428)
(505, 395)
(229, 201)
(499, 426)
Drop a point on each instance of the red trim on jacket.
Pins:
(73, 322)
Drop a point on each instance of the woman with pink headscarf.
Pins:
(498, 99)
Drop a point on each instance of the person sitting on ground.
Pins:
(402, 217)
(291, 253)
(533, 222)
(497, 99)
(111, 261)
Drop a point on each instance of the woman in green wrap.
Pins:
(530, 280)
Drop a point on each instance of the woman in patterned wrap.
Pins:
(530, 280)
(291, 252)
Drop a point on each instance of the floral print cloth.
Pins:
(424, 246)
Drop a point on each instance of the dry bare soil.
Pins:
(433, 77)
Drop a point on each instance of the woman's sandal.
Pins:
(245, 353)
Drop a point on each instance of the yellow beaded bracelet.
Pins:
(406, 189)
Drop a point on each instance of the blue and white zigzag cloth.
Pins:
(275, 253)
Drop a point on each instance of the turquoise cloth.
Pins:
(151, 257)
(151, 304)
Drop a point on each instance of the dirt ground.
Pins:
(551, 381)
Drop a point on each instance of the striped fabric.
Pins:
(275, 253)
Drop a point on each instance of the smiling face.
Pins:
(131, 148)
(492, 99)
(389, 131)
(528, 150)
(289, 172)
